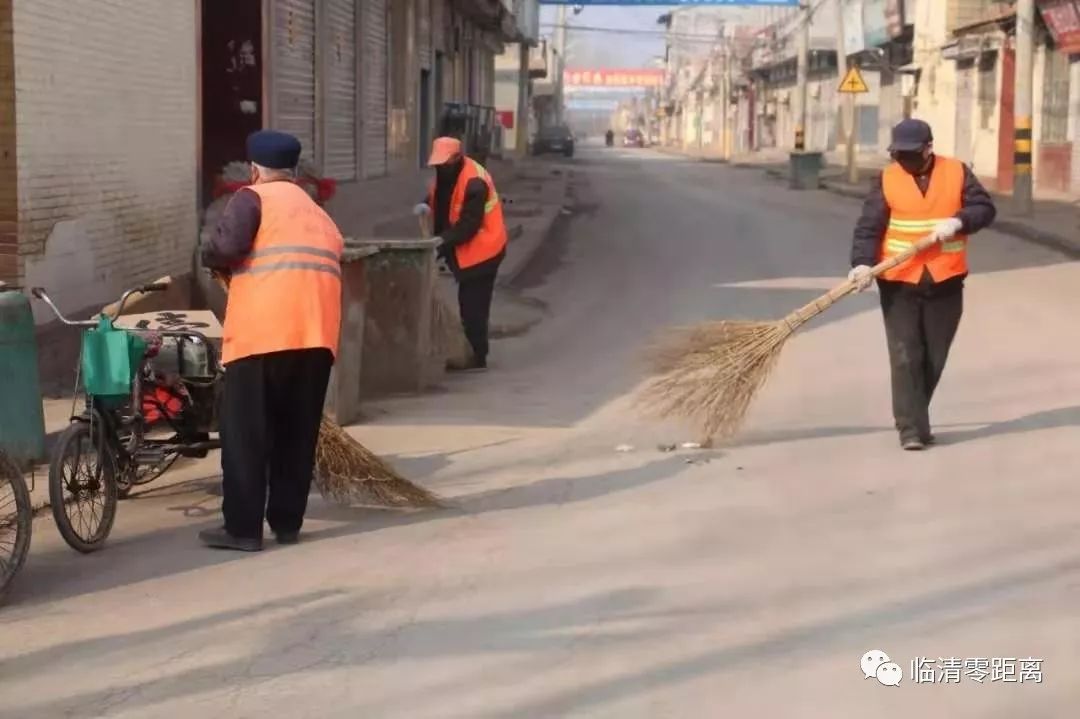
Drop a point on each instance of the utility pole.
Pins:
(731, 144)
(803, 74)
(725, 102)
(522, 127)
(1025, 63)
(846, 125)
(560, 48)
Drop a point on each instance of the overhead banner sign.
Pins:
(854, 42)
(593, 105)
(1062, 17)
(729, 3)
(894, 16)
(613, 78)
(875, 23)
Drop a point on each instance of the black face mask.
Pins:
(912, 162)
(449, 171)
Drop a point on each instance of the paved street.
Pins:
(573, 580)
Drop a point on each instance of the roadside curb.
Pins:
(532, 236)
(1015, 228)
(533, 312)
(1051, 240)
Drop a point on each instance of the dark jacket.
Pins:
(234, 235)
(977, 213)
(468, 224)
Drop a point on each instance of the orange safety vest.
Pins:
(491, 238)
(287, 294)
(912, 216)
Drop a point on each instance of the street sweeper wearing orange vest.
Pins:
(490, 240)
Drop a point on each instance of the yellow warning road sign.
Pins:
(853, 82)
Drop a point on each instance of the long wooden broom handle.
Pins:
(819, 305)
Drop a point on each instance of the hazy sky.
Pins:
(592, 49)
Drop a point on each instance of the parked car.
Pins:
(633, 138)
(556, 139)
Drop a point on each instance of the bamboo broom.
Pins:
(709, 374)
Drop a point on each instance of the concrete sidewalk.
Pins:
(1053, 224)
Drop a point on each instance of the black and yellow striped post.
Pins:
(800, 139)
(1022, 182)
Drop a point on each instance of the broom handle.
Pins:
(812, 309)
(425, 226)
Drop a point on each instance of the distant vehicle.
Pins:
(558, 140)
(633, 138)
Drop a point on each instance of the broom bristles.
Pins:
(347, 472)
(709, 374)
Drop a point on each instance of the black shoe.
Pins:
(929, 439)
(471, 365)
(221, 539)
(287, 537)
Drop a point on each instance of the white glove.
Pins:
(946, 229)
(861, 276)
(421, 210)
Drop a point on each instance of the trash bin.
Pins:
(343, 394)
(398, 315)
(806, 170)
(22, 420)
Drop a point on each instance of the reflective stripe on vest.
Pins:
(493, 195)
(253, 267)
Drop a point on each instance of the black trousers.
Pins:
(271, 411)
(474, 303)
(920, 324)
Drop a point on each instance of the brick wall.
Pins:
(9, 241)
(106, 145)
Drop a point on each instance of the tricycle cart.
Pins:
(151, 394)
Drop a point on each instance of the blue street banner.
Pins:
(642, 3)
(593, 105)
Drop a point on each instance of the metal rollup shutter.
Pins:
(423, 40)
(439, 21)
(293, 71)
(340, 90)
(374, 68)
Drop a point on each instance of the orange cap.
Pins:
(443, 150)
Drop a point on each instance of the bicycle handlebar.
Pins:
(113, 311)
(39, 293)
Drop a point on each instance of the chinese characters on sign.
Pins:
(613, 78)
(1062, 17)
(952, 670)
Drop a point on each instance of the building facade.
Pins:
(114, 139)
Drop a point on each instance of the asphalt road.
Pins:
(573, 580)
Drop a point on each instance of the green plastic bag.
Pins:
(110, 359)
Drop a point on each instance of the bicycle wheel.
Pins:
(16, 521)
(82, 487)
